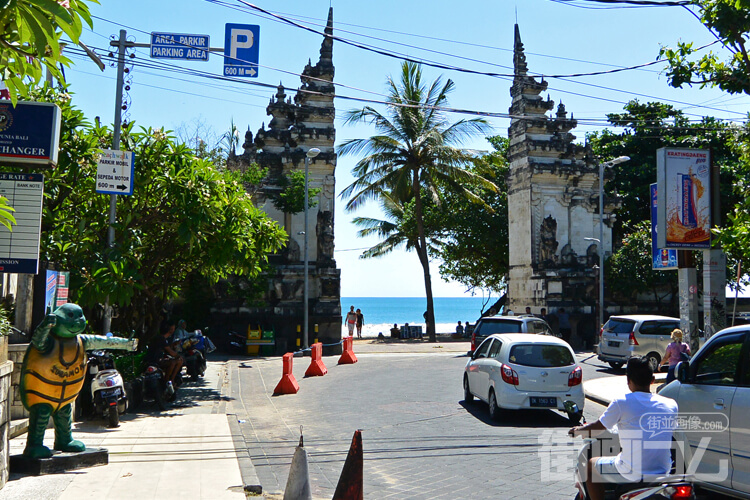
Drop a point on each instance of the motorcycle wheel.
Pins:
(160, 402)
(113, 416)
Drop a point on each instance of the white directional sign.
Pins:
(179, 46)
(114, 173)
(241, 50)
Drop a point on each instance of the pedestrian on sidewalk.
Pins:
(677, 351)
(351, 320)
(563, 324)
(360, 322)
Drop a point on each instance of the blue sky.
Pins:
(478, 35)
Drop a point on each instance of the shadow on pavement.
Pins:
(516, 418)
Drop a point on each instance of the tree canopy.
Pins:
(30, 38)
(729, 22)
(646, 128)
(474, 236)
(185, 217)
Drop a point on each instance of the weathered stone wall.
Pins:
(6, 368)
(16, 353)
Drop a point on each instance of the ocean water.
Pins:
(382, 312)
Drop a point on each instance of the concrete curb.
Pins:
(601, 390)
(250, 481)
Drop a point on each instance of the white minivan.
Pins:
(647, 335)
(714, 387)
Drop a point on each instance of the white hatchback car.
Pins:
(524, 371)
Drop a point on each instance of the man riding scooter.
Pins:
(637, 458)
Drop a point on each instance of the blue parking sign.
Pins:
(241, 50)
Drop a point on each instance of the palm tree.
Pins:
(415, 154)
(397, 229)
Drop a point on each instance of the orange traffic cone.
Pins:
(316, 368)
(350, 482)
(288, 384)
(348, 357)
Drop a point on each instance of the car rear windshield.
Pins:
(541, 355)
(619, 326)
(490, 327)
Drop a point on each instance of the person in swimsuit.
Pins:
(351, 320)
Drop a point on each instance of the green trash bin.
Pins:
(268, 350)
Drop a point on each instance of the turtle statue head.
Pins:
(69, 321)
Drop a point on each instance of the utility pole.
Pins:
(121, 45)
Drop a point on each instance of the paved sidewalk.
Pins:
(604, 390)
(185, 452)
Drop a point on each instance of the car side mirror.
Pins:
(471, 354)
(682, 371)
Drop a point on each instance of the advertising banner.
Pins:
(684, 198)
(662, 259)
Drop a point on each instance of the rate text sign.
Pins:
(241, 50)
(19, 249)
(179, 46)
(114, 173)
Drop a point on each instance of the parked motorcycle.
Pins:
(156, 388)
(672, 487)
(236, 343)
(103, 392)
(193, 350)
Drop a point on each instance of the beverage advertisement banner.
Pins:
(684, 198)
(662, 259)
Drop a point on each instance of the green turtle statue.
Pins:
(52, 375)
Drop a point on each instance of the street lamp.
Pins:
(311, 153)
(602, 166)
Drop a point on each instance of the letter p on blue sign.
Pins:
(241, 50)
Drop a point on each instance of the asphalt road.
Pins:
(420, 440)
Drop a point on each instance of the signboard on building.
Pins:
(662, 259)
(684, 189)
(179, 46)
(241, 50)
(114, 172)
(29, 133)
(19, 248)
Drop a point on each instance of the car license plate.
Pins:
(537, 402)
(613, 344)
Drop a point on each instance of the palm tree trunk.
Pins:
(424, 258)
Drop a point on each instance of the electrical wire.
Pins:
(159, 65)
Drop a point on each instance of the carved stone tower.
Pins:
(553, 191)
(296, 127)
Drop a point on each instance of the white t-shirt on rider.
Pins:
(637, 417)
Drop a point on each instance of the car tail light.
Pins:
(473, 341)
(682, 491)
(601, 334)
(631, 340)
(509, 375)
(151, 369)
(575, 377)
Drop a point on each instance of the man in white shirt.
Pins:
(643, 453)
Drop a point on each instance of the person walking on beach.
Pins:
(351, 320)
(360, 322)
